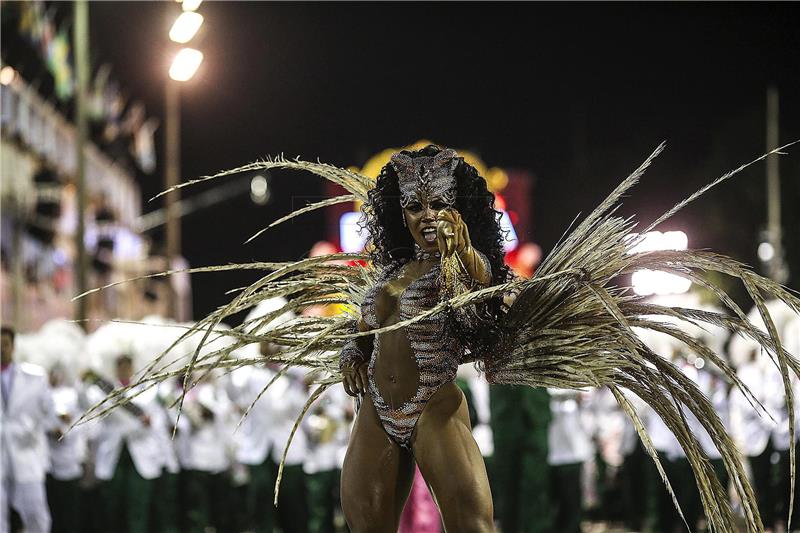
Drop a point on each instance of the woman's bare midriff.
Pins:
(396, 371)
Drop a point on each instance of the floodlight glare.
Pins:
(185, 64)
(655, 240)
(7, 75)
(191, 5)
(259, 189)
(766, 252)
(185, 26)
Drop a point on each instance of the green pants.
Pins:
(205, 501)
(664, 516)
(763, 476)
(259, 508)
(127, 497)
(292, 512)
(782, 487)
(633, 479)
(323, 500)
(522, 484)
(64, 499)
(166, 507)
(565, 483)
(679, 472)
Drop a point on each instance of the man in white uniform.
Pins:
(569, 446)
(264, 433)
(781, 436)
(68, 452)
(328, 427)
(260, 444)
(761, 438)
(27, 415)
(130, 454)
(204, 446)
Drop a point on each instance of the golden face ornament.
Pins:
(427, 188)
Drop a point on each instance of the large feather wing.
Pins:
(577, 330)
(569, 327)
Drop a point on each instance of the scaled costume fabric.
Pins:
(569, 326)
(437, 351)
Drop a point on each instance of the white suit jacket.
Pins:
(568, 439)
(267, 427)
(204, 444)
(144, 442)
(25, 422)
(752, 428)
(328, 430)
(68, 453)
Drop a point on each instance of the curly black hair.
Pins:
(382, 218)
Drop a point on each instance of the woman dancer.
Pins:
(412, 410)
(436, 298)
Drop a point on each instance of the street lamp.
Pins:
(185, 27)
(191, 5)
(183, 68)
(185, 64)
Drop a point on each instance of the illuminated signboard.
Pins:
(352, 238)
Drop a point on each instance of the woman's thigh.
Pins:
(376, 475)
(452, 464)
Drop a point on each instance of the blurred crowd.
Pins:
(558, 460)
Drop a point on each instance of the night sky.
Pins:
(577, 94)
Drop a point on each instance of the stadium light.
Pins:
(185, 64)
(7, 75)
(766, 252)
(649, 282)
(191, 5)
(259, 189)
(185, 27)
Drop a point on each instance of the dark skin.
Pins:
(124, 375)
(6, 349)
(377, 472)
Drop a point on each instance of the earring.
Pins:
(405, 224)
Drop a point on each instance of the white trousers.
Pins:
(30, 501)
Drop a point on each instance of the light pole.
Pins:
(775, 263)
(183, 68)
(81, 43)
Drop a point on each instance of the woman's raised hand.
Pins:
(452, 233)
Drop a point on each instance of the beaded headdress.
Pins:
(423, 178)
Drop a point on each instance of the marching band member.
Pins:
(328, 429)
(763, 438)
(204, 450)
(569, 447)
(68, 450)
(58, 348)
(27, 415)
(261, 440)
(130, 453)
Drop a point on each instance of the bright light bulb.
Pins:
(7, 75)
(352, 238)
(641, 283)
(646, 282)
(655, 240)
(766, 251)
(185, 27)
(185, 64)
(259, 189)
(675, 240)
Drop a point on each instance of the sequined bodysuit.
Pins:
(435, 348)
